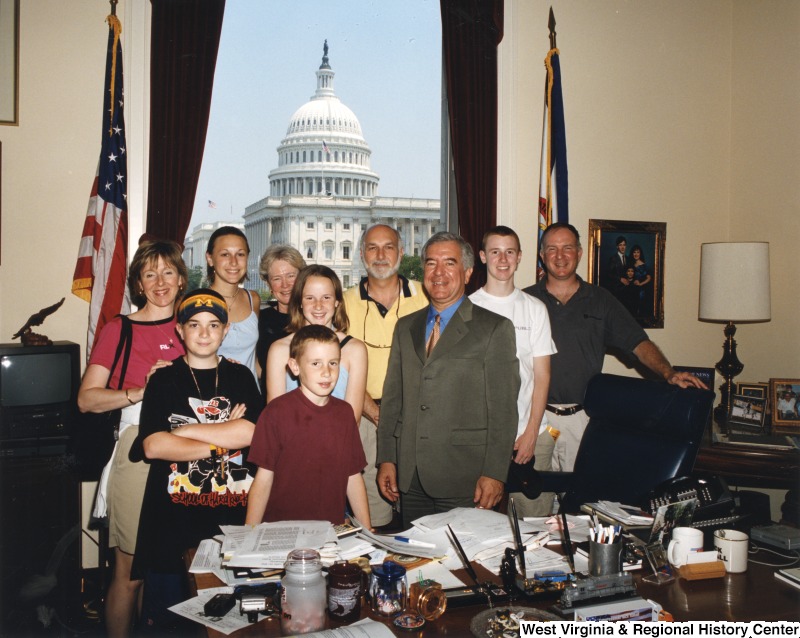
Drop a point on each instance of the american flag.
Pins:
(553, 180)
(101, 269)
(212, 204)
(325, 148)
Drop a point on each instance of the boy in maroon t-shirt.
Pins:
(306, 443)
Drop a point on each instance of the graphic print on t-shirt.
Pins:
(221, 479)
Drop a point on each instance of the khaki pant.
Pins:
(380, 510)
(543, 504)
(125, 494)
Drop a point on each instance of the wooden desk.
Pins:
(751, 466)
(754, 595)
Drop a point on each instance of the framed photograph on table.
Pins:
(784, 395)
(627, 258)
(747, 414)
(753, 389)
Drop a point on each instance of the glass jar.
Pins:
(388, 589)
(344, 591)
(303, 595)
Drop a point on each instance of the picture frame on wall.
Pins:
(785, 397)
(9, 62)
(627, 258)
(747, 413)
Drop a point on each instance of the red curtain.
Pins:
(471, 31)
(185, 41)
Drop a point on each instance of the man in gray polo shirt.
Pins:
(585, 320)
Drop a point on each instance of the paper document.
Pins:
(193, 610)
(207, 557)
(365, 628)
(267, 545)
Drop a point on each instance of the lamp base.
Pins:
(729, 366)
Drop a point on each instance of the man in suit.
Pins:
(449, 410)
(617, 266)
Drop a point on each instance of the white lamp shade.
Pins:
(734, 282)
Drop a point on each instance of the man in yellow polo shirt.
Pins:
(373, 308)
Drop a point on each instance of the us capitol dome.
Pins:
(324, 193)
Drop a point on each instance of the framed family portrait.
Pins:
(785, 397)
(627, 258)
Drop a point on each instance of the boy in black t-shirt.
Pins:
(197, 421)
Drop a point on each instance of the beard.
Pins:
(387, 270)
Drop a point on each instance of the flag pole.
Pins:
(113, 4)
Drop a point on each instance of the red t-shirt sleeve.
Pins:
(106, 347)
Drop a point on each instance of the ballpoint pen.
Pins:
(413, 541)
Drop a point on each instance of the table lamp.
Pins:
(734, 288)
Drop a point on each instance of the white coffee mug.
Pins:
(684, 541)
(732, 548)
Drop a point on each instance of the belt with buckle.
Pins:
(565, 411)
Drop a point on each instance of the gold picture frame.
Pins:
(784, 395)
(637, 283)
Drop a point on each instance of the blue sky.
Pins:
(387, 60)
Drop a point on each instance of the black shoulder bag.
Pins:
(95, 433)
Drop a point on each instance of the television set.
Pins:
(38, 397)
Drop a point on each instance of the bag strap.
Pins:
(126, 342)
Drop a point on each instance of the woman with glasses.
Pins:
(280, 265)
(317, 299)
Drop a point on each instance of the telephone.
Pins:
(715, 502)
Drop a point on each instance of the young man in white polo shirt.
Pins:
(500, 251)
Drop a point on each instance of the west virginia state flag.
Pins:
(553, 180)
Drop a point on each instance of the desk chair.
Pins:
(640, 434)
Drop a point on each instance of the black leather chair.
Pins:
(640, 434)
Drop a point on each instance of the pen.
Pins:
(412, 541)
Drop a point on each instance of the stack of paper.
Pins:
(625, 515)
(267, 545)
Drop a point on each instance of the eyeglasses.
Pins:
(364, 331)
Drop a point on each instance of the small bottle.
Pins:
(389, 589)
(303, 596)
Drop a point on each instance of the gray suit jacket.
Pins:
(453, 417)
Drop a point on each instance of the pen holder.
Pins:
(605, 558)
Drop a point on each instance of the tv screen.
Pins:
(28, 379)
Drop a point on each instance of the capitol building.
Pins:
(323, 193)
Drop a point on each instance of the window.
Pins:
(328, 225)
(328, 251)
(346, 226)
(310, 253)
(346, 281)
(416, 228)
(310, 225)
(419, 116)
(345, 252)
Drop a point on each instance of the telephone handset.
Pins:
(714, 498)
